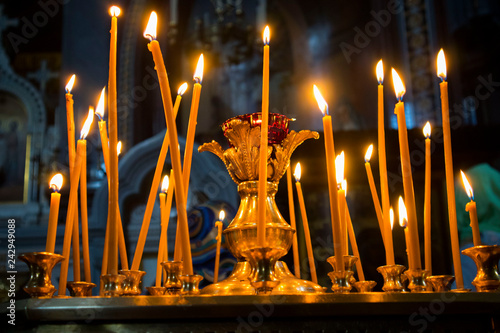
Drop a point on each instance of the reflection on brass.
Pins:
(112, 284)
(392, 277)
(440, 283)
(341, 281)
(349, 265)
(235, 284)
(80, 288)
(131, 284)
(190, 284)
(289, 284)
(40, 265)
(263, 260)
(416, 278)
(486, 259)
(172, 271)
(156, 291)
(364, 286)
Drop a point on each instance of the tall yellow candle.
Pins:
(55, 198)
(471, 208)
(163, 231)
(305, 224)
(150, 33)
(382, 162)
(331, 173)
(73, 202)
(154, 186)
(406, 172)
(262, 190)
(427, 200)
(218, 239)
(354, 245)
(403, 222)
(339, 168)
(291, 209)
(448, 164)
(85, 219)
(166, 213)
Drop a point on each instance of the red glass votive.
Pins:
(278, 125)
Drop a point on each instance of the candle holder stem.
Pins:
(486, 259)
(112, 284)
(40, 265)
(172, 269)
(131, 284)
(190, 284)
(80, 288)
(392, 277)
(416, 278)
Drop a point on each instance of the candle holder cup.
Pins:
(190, 284)
(440, 283)
(80, 288)
(341, 281)
(131, 284)
(263, 261)
(486, 258)
(40, 265)
(364, 286)
(416, 280)
(349, 265)
(392, 277)
(172, 269)
(112, 285)
(156, 291)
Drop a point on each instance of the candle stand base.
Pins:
(289, 284)
(131, 284)
(40, 265)
(349, 265)
(172, 270)
(486, 258)
(80, 288)
(440, 283)
(416, 278)
(190, 284)
(392, 277)
(341, 281)
(364, 286)
(156, 291)
(263, 261)
(112, 284)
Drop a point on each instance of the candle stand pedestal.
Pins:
(236, 283)
(416, 280)
(341, 281)
(440, 283)
(156, 291)
(364, 286)
(172, 270)
(112, 284)
(486, 258)
(131, 284)
(392, 277)
(190, 284)
(40, 265)
(80, 288)
(262, 261)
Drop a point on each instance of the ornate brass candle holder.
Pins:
(156, 291)
(112, 284)
(392, 277)
(341, 281)
(486, 259)
(242, 161)
(416, 278)
(131, 284)
(364, 286)
(172, 269)
(40, 265)
(190, 284)
(236, 283)
(80, 288)
(440, 283)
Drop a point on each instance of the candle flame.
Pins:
(368, 154)
(468, 188)
(380, 72)
(100, 105)
(119, 148)
(391, 216)
(88, 122)
(399, 86)
(70, 83)
(115, 11)
(198, 74)
(164, 184)
(323, 106)
(150, 32)
(56, 182)
(339, 167)
(182, 89)
(441, 65)
(427, 130)
(266, 36)
(343, 186)
(222, 215)
(403, 216)
(298, 172)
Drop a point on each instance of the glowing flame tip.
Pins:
(323, 106)
(427, 130)
(56, 182)
(403, 216)
(86, 126)
(441, 65)
(380, 72)
(164, 184)
(391, 216)
(339, 167)
(298, 172)
(70, 84)
(399, 86)
(119, 148)
(368, 154)
(222, 215)
(468, 188)
(198, 73)
(150, 32)
(115, 11)
(182, 89)
(100, 105)
(266, 36)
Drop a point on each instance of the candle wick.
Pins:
(54, 188)
(197, 80)
(150, 37)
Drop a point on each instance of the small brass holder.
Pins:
(349, 264)
(263, 261)
(131, 284)
(172, 269)
(486, 258)
(416, 278)
(112, 284)
(364, 286)
(190, 284)
(40, 265)
(156, 291)
(392, 277)
(440, 283)
(80, 288)
(341, 281)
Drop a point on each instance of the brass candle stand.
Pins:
(112, 285)
(417, 280)
(156, 291)
(190, 284)
(40, 265)
(342, 280)
(172, 270)
(131, 284)
(80, 288)
(486, 258)
(440, 283)
(364, 286)
(392, 277)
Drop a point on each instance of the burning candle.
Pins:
(427, 199)
(154, 47)
(219, 226)
(168, 207)
(339, 168)
(262, 190)
(73, 202)
(471, 208)
(406, 171)
(55, 198)
(291, 209)
(331, 173)
(163, 231)
(448, 164)
(403, 222)
(305, 224)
